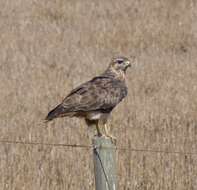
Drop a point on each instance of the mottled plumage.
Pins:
(95, 99)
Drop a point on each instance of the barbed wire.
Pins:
(91, 147)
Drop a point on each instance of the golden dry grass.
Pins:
(49, 47)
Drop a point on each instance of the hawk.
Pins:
(94, 100)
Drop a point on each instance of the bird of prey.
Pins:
(94, 100)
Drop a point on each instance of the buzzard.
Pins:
(94, 100)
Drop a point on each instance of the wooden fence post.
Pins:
(104, 164)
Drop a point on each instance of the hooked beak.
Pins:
(128, 64)
(133, 61)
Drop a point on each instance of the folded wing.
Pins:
(100, 94)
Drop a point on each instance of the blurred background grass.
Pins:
(49, 47)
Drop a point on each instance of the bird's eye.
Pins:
(120, 61)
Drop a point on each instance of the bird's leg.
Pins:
(107, 133)
(98, 129)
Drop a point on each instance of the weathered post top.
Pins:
(104, 164)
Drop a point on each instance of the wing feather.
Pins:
(101, 93)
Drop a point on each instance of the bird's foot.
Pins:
(99, 135)
(112, 138)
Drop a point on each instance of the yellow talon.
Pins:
(107, 133)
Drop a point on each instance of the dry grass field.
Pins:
(49, 47)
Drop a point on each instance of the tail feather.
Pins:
(56, 112)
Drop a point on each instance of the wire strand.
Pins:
(45, 144)
(90, 146)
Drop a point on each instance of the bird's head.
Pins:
(120, 64)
